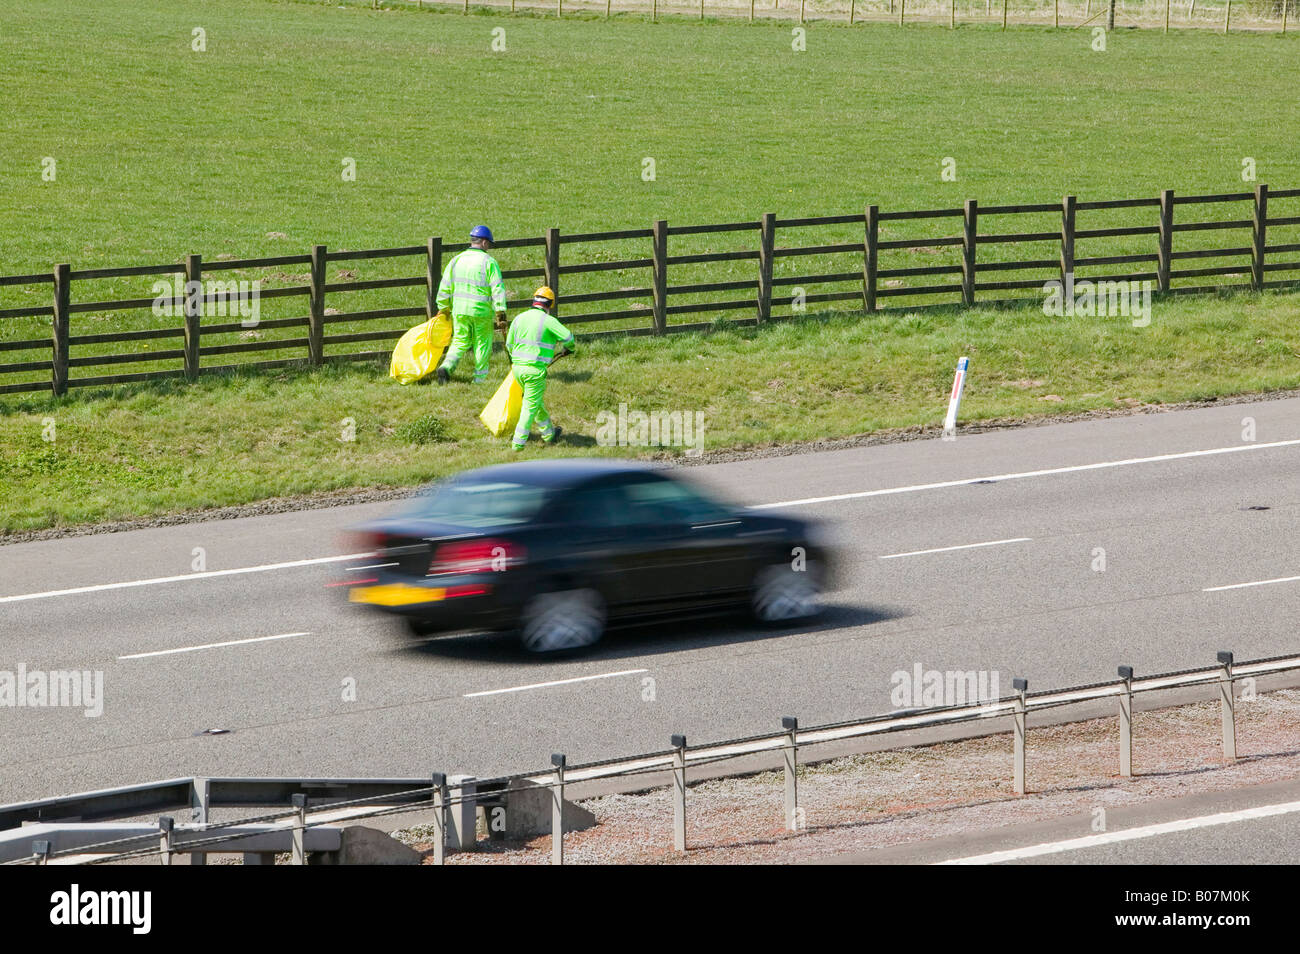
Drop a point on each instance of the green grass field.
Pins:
(237, 151)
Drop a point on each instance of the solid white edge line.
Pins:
(558, 682)
(964, 546)
(1238, 586)
(231, 642)
(1129, 834)
(768, 506)
(202, 575)
(1029, 473)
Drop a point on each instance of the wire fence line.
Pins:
(1223, 15)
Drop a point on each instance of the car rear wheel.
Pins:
(564, 619)
(782, 593)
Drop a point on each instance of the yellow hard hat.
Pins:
(544, 294)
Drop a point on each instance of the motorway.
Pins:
(1168, 497)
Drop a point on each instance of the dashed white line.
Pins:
(557, 682)
(204, 575)
(1128, 834)
(1239, 586)
(192, 649)
(1236, 449)
(964, 546)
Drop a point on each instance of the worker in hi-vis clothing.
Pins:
(472, 290)
(532, 343)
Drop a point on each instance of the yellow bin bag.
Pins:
(419, 350)
(502, 412)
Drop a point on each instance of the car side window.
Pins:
(659, 500)
(603, 505)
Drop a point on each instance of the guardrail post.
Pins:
(679, 792)
(1126, 723)
(557, 810)
(432, 274)
(61, 324)
(1021, 686)
(165, 825)
(790, 755)
(553, 265)
(40, 852)
(659, 256)
(193, 311)
(1259, 224)
(969, 219)
(1164, 254)
(870, 257)
(439, 785)
(299, 802)
(1067, 240)
(1227, 698)
(461, 832)
(766, 246)
(199, 796)
(316, 315)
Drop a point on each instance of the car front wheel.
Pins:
(565, 619)
(782, 593)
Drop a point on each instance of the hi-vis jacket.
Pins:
(471, 284)
(533, 337)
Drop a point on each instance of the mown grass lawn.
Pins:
(161, 150)
(147, 449)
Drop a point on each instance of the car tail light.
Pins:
(475, 556)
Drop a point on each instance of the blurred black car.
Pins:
(556, 550)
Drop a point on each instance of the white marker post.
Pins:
(954, 402)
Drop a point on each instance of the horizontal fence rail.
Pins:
(634, 281)
(53, 830)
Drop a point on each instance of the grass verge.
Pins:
(150, 449)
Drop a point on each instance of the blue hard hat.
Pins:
(481, 231)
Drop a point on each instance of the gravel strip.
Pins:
(916, 794)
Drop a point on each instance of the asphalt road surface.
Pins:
(1168, 497)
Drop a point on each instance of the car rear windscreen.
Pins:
(468, 504)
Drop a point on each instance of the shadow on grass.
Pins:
(644, 639)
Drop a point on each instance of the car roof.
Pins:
(557, 473)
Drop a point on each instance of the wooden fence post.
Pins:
(1004, 14)
(1166, 16)
(553, 266)
(969, 219)
(1259, 223)
(701, 9)
(1067, 243)
(952, 15)
(654, 11)
(193, 310)
(902, 7)
(1165, 252)
(316, 315)
(1227, 15)
(1056, 13)
(853, 8)
(660, 258)
(870, 258)
(432, 274)
(801, 6)
(1285, 5)
(62, 301)
(766, 246)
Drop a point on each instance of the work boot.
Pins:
(554, 436)
(443, 376)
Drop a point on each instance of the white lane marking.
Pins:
(232, 642)
(784, 503)
(964, 546)
(1238, 586)
(1029, 473)
(558, 682)
(1129, 834)
(206, 574)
